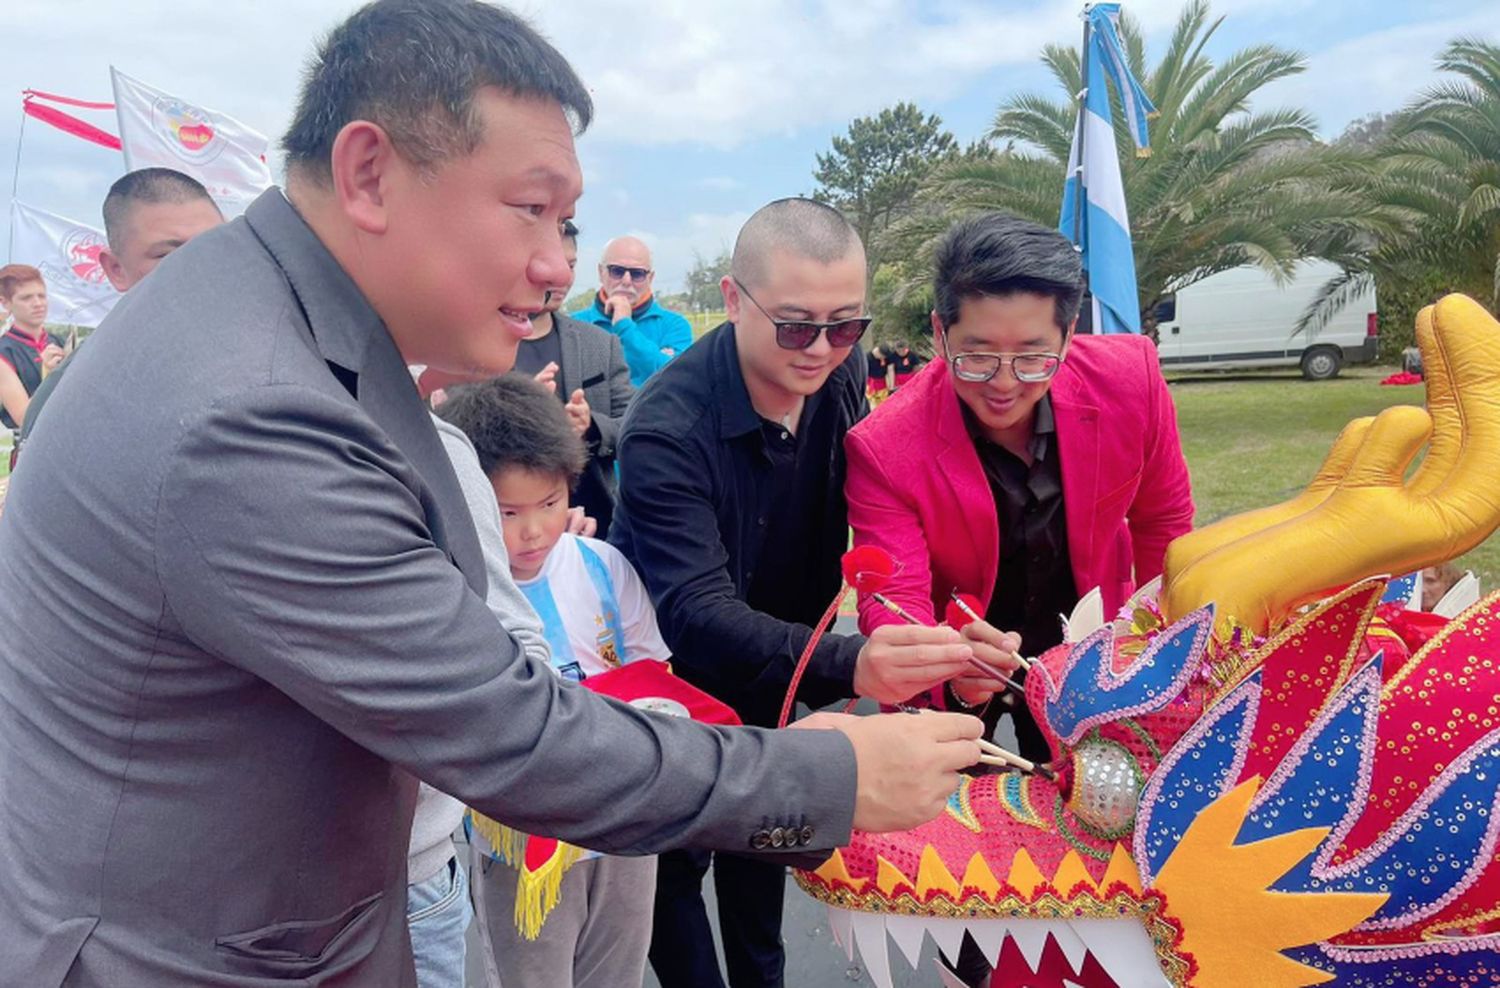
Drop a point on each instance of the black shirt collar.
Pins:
(1043, 427)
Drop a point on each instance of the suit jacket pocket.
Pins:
(304, 946)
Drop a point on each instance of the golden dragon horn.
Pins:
(1374, 521)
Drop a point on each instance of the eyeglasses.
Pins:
(799, 334)
(1029, 368)
(619, 271)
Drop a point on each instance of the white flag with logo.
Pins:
(158, 130)
(67, 254)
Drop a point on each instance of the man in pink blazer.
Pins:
(1025, 466)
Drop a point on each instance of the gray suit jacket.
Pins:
(594, 361)
(243, 609)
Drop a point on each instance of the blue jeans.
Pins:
(438, 913)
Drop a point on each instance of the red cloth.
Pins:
(916, 487)
(652, 677)
(1403, 377)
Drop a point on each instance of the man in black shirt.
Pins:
(732, 509)
(585, 367)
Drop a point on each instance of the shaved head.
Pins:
(802, 227)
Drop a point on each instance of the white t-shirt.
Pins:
(595, 612)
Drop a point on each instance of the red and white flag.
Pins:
(67, 254)
(158, 130)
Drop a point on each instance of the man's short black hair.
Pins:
(515, 422)
(147, 185)
(997, 254)
(412, 67)
(570, 232)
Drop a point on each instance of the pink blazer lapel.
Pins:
(1078, 442)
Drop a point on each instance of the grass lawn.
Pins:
(1254, 440)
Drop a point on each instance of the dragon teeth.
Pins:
(1121, 947)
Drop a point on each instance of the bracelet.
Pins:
(960, 702)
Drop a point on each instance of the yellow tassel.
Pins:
(508, 844)
(1143, 152)
(537, 892)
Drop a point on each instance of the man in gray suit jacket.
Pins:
(585, 367)
(243, 599)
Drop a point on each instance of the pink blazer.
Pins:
(916, 487)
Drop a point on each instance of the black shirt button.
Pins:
(760, 840)
(761, 521)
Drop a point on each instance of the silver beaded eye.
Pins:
(1107, 783)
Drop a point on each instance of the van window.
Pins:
(1166, 309)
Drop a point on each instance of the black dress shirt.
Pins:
(1035, 581)
(1034, 585)
(737, 532)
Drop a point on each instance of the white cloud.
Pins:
(1382, 70)
(724, 72)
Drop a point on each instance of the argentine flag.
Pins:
(1104, 233)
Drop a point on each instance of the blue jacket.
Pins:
(650, 335)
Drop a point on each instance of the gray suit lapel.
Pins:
(361, 354)
(572, 372)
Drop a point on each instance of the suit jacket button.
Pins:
(807, 834)
(760, 840)
(778, 837)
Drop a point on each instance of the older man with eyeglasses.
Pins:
(625, 306)
(1024, 467)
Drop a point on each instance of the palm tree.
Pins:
(1224, 186)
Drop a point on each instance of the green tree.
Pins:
(702, 282)
(1223, 186)
(873, 173)
(1438, 167)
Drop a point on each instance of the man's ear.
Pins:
(939, 342)
(113, 270)
(1068, 337)
(364, 164)
(731, 293)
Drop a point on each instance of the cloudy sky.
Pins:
(706, 108)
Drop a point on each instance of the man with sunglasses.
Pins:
(1026, 466)
(732, 509)
(625, 306)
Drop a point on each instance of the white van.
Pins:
(1241, 318)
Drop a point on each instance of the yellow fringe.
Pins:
(537, 892)
(1143, 152)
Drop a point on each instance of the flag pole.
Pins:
(1078, 138)
(15, 184)
(1080, 196)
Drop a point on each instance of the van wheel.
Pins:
(1322, 363)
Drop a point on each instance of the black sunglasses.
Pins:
(618, 271)
(800, 334)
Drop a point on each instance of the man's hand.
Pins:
(618, 307)
(993, 647)
(901, 660)
(577, 408)
(581, 524)
(547, 376)
(52, 355)
(908, 765)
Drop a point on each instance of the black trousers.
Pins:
(750, 894)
